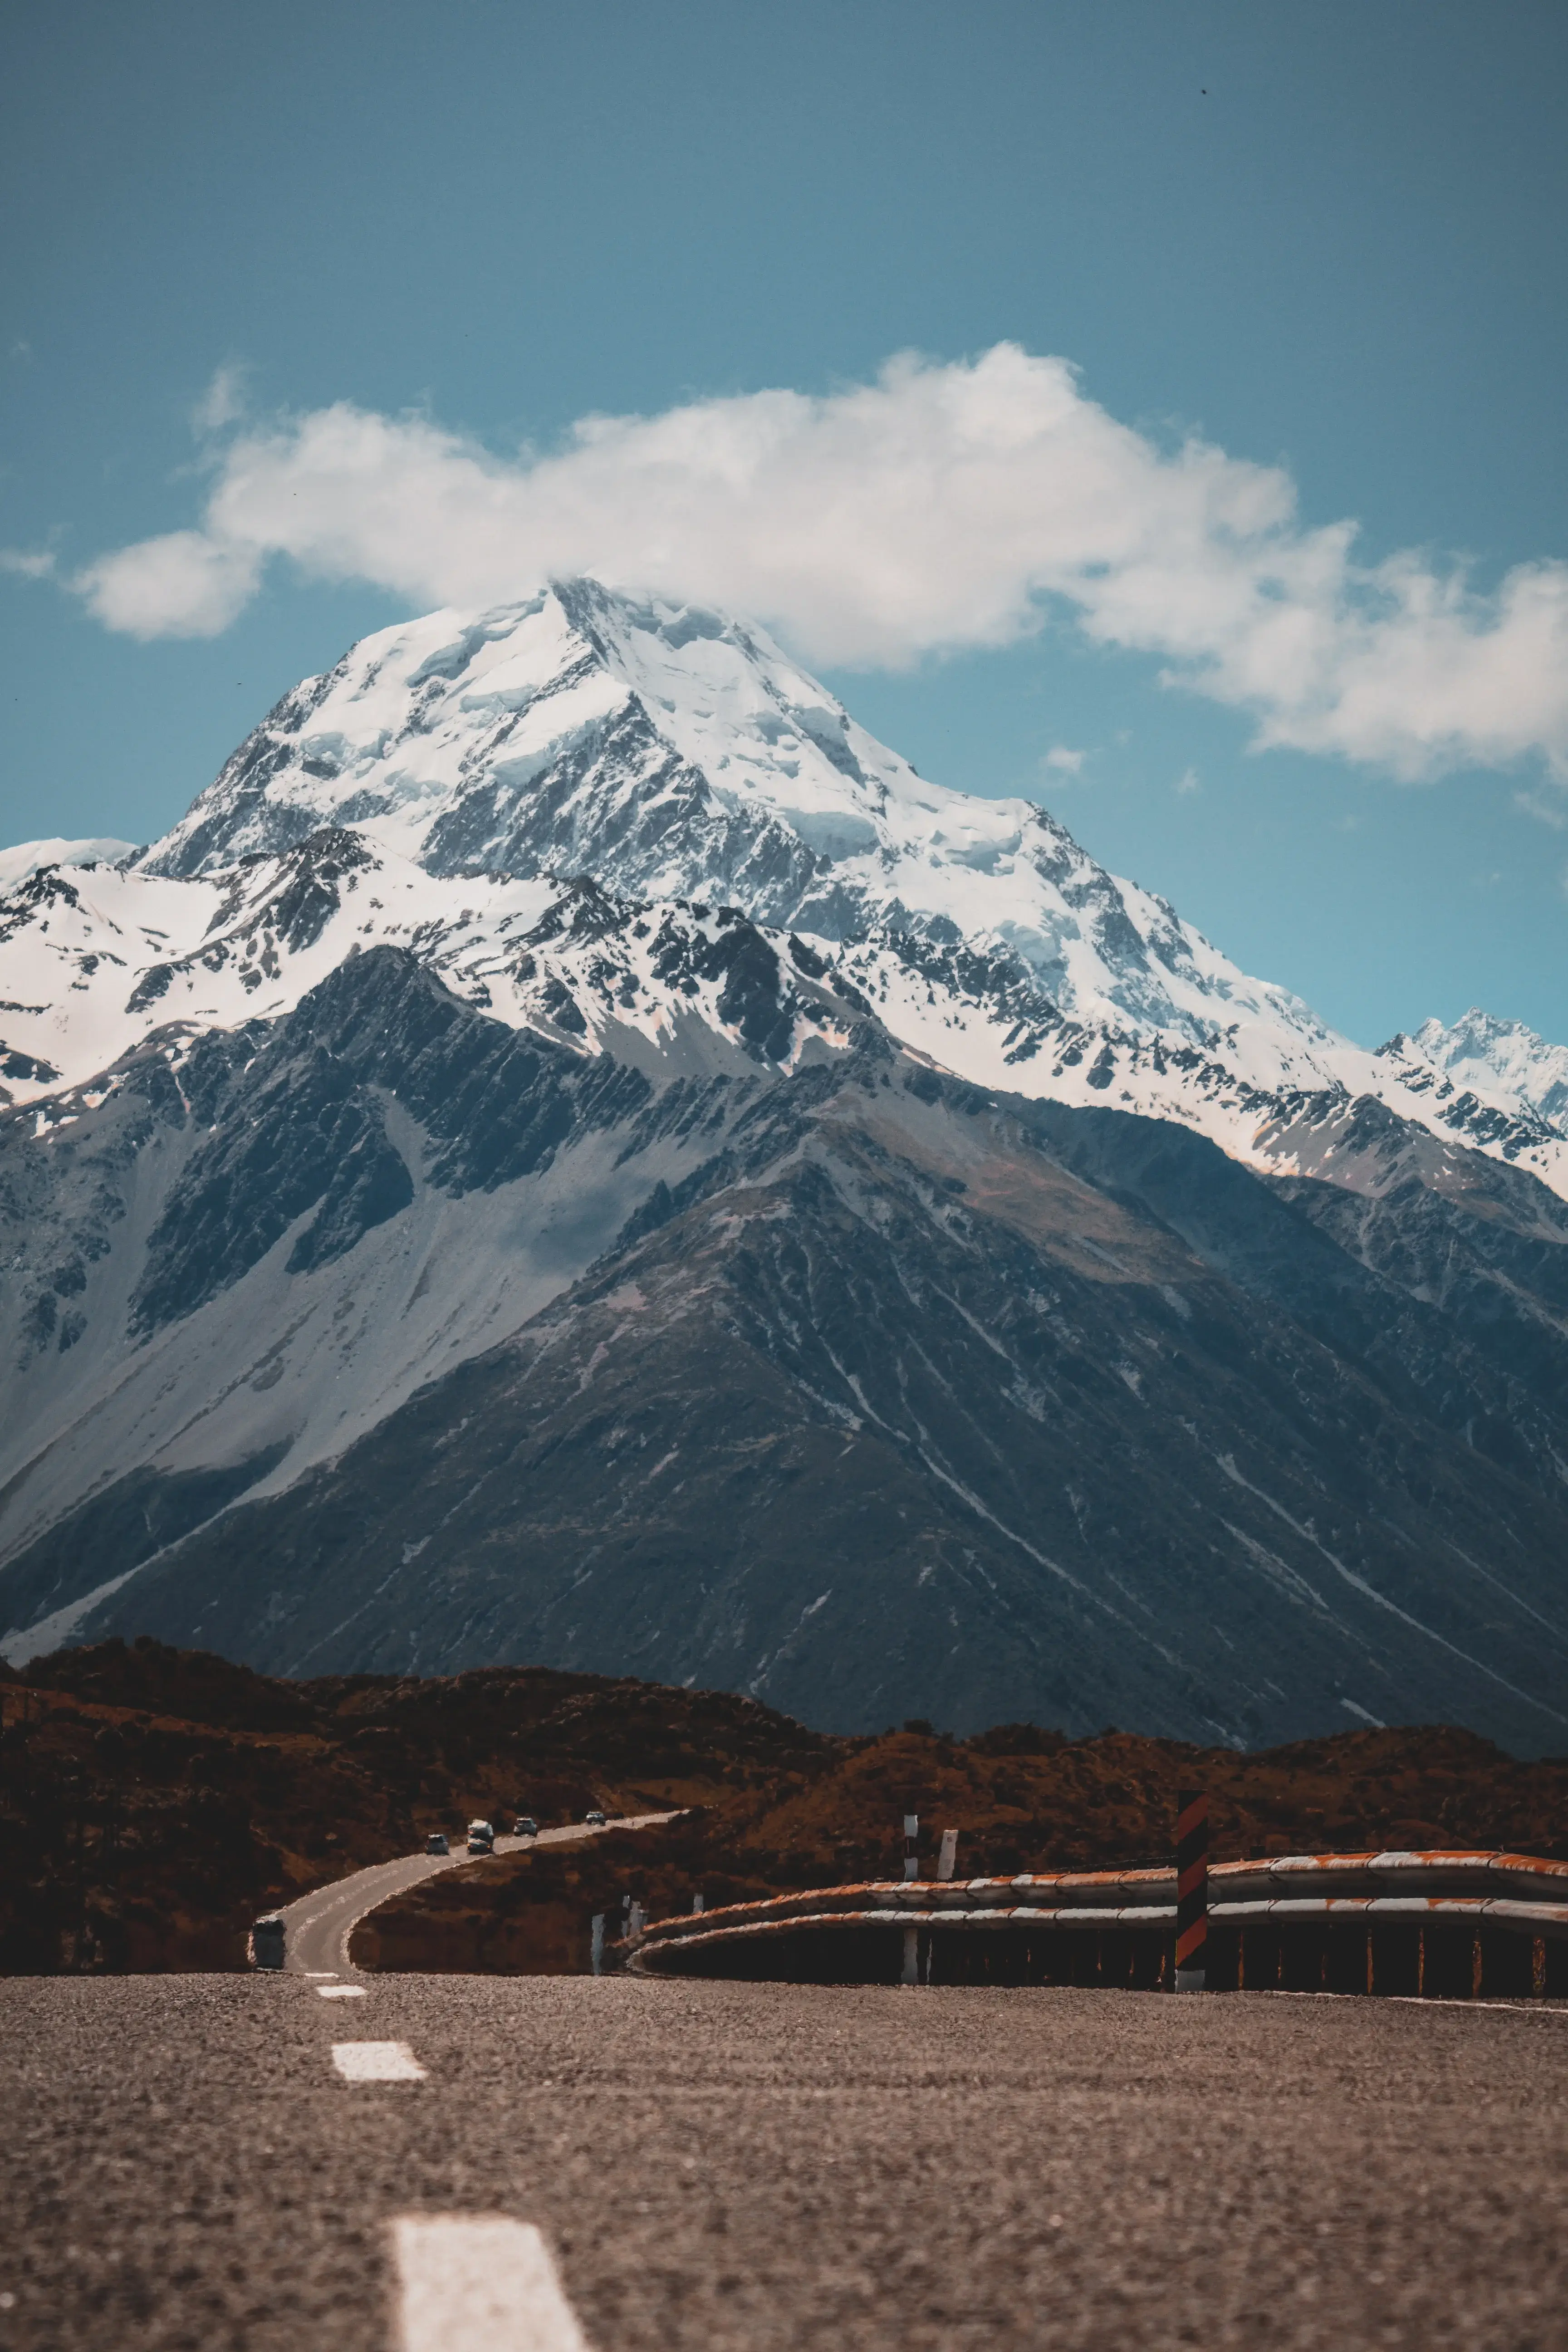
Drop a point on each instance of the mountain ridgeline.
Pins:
(572, 1154)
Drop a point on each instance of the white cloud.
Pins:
(939, 508)
(1062, 761)
(1187, 782)
(223, 403)
(189, 584)
(1550, 809)
(28, 563)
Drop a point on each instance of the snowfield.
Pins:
(443, 785)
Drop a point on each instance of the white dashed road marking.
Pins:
(1462, 2008)
(339, 1992)
(480, 2282)
(377, 2061)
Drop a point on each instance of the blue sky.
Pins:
(1323, 239)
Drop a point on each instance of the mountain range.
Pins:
(573, 1152)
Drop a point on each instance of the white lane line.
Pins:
(480, 2282)
(377, 2061)
(339, 1992)
(1456, 2004)
(1522, 2007)
(320, 1975)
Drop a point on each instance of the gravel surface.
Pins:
(757, 2166)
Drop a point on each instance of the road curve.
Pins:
(318, 1925)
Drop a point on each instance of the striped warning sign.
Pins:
(1192, 1889)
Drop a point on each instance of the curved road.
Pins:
(318, 1925)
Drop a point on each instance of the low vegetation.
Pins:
(154, 1801)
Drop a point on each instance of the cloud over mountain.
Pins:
(942, 507)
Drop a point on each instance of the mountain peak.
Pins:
(1499, 1057)
(675, 752)
(673, 756)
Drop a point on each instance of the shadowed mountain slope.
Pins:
(906, 1394)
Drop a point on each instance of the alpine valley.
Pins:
(572, 1153)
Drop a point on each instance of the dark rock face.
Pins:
(114, 1532)
(857, 1388)
(493, 1103)
(910, 1399)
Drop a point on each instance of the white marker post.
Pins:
(912, 1846)
(949, 1857)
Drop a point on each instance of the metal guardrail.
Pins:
(1287, 1920)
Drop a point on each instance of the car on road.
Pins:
(594, 1820)
(266, 1942)
(436, 1844)
(481, 1838)
(525, 1826)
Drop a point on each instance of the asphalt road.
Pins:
(183, 2166)
(318, 1926)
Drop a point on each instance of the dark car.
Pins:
(436, 1844)
(266, 1942)
(525, 1826)
(594, 1820)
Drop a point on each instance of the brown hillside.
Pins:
(154, 1800)
(1019, 1797)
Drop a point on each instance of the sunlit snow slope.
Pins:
(670, 754)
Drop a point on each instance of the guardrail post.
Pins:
(912, 1846)
(1538, 1968)
(1192, 1889)
(911, 1956)
(596, 1946)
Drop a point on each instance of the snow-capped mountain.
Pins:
(572, 1149)
(669, 754)
(103, 958)
(1496, 1058)
(32, 856)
